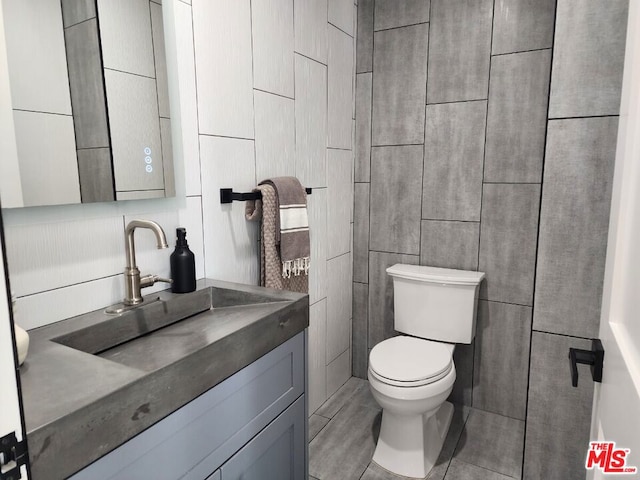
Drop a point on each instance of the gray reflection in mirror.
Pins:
(89, 101)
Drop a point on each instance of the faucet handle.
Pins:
(148, 280)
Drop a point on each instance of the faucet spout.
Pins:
(133, 282)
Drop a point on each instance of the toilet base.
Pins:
(409, 445)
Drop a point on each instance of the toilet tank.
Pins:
(435, 303)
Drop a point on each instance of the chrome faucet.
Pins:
(133, 282)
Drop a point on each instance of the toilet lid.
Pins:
(410, 361)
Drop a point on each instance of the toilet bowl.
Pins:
(411, 378)
(412, 375)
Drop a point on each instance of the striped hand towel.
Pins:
(292, 225)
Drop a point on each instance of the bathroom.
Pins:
(370, 104)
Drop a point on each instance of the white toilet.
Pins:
(411, 377)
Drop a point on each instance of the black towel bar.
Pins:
(227, 195)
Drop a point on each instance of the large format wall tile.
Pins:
(559, 416)
(311, 122)
(517, 117)
(339, 202)
(231, 243)
(340, 85)
(396, 177)
(400, 72)
(453, 150)
(361, 233)
(363, 127)
(338, 372)
(520, 25)
(275, 136)
(359, 335)
(574, 223)
(96, 175)
(310, 24)
(222, 35)
(272, 41)
(317, 205)
(450, 244)
(400, 13)
(462, 392)
(317, 355)
(340, 14)
(381, 294)
(339, 304)
(40, 259)
(501, 367)
(186, 67)
(588, 58)
(364, 50)
(459, 51)
(508, 234)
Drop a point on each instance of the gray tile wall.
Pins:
(506, 188)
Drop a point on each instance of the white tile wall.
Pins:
(311, 122)
(231, 243)
(317, 356)
(338, 372)
(339, 201)
(339, 294)
(188, 99)
(272, 27)
(222, 38)
(341, 14)
(311, 29)
(317, 204)
(66, 261)
(275, 136)
(340, 88)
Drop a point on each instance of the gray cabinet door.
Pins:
(276, 453)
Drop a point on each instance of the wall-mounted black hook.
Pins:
(227, 195)
(593, 357)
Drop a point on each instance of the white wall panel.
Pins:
(272, 26)
(311, 29)
(341, 14)
(231, 243)
(188, 98)
(317, 204)
(190, 217)
(339, 294)
(44, 256)
(222, 35)
(311, 122)
(340, 85)
(275, 136)
(339, 201)
(317, 355)
(338, 372)
(34, 311)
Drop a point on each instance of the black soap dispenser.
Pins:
(183, 265)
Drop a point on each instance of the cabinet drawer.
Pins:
(195, 440)
(276, 453)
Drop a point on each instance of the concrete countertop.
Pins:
(81, 403)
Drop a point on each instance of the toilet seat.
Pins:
(410, 362)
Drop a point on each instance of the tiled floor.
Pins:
(343, 433)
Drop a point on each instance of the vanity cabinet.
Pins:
(250, 426)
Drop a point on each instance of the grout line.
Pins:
(70, 285)
(505, 303)
(520, 51)
(338, 28)
(401, 26)
(535, 267)
(132, 73)
(512, 183)
(395, 145)
(312, 59)
(560, 334)
(275, 94)
(44, 113)
(459, 101)
(579, 117)
(450, 221)
(225, 136)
